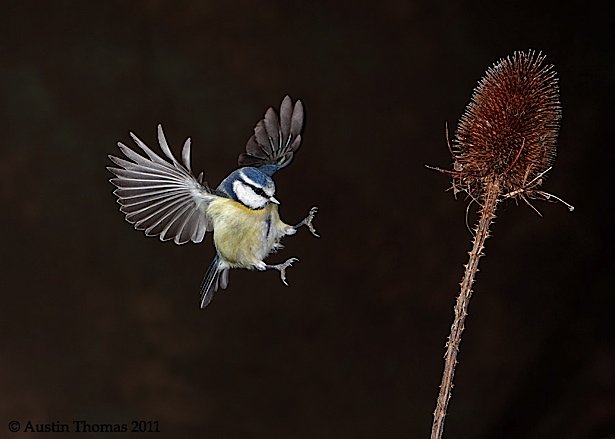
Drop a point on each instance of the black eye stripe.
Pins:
(258, 191)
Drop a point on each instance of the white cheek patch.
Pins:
(247, 196)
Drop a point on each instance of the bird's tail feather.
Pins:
(214, 279)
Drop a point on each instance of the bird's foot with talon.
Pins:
(308, 221)
(282, 268)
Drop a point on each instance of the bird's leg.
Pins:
(280, 267)
(307, 221)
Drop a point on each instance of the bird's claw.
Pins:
(282, 268)
(308, 221)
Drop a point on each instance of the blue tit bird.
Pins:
(163, 197)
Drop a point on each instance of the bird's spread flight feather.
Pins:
(275, 139)
(161, 196)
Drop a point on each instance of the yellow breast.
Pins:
(240, 233)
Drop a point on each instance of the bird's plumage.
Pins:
(213, 280)
(261, 231)
(164, 198)
(275, 139)
(246, 185)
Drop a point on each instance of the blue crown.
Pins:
(254, 174)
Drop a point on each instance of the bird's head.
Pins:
(250, 187)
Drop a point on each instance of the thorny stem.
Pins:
(490, 199)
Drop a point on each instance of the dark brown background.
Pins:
(100, 323)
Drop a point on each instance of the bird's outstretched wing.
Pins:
(161, 196)
(275, 140)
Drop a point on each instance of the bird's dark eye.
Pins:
(259, 191)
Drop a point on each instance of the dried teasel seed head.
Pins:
(509, 129)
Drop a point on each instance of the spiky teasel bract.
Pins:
(509, 129)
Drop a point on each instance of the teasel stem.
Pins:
(487, 214)
(503, 147)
